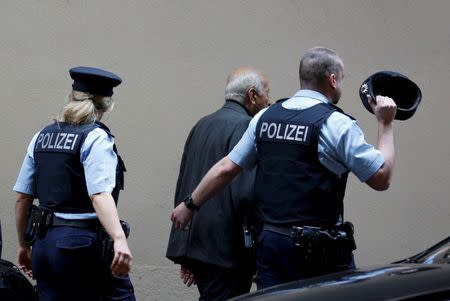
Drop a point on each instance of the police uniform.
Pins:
(305, 147)
(64, 165)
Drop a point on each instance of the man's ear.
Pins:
(251, 93)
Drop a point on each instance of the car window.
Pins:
(438, 256)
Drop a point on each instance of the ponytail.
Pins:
(83, 108)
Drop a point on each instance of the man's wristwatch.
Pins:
(189, 202)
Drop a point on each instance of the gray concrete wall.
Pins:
(174, 57)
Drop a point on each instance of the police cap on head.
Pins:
(405, 93)
(94, 80)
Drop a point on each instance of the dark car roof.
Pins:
(388, 282)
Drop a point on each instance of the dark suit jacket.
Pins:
(215, 233)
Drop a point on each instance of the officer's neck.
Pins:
(99, 115)
(326, 92)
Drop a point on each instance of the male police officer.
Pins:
(304, 148)
(213, 248)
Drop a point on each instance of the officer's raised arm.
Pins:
(396, 97)
(384, 109)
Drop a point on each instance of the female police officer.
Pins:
(73, 168)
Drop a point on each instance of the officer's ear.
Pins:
(333, 80)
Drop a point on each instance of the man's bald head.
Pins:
(249, 87)
(240, 80)
(316, 65)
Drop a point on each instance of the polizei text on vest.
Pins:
(57, 141)
(284, 131)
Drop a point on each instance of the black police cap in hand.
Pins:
(94, 80)
(405, 93)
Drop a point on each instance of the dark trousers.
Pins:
(217, 283)
(67, 266)
(278, 261)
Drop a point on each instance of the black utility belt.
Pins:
(312, 235)
(40, 219)
(320, 248)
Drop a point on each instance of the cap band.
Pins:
(94, 89)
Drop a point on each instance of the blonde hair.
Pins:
(83, 107)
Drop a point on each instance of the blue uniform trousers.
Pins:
(278, 261)
(67, 266)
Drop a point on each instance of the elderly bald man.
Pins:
(211, 248)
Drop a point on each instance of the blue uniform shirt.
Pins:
(99, 161)
(341, 147)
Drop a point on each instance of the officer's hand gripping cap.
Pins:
(401, 89)
(94, 80)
